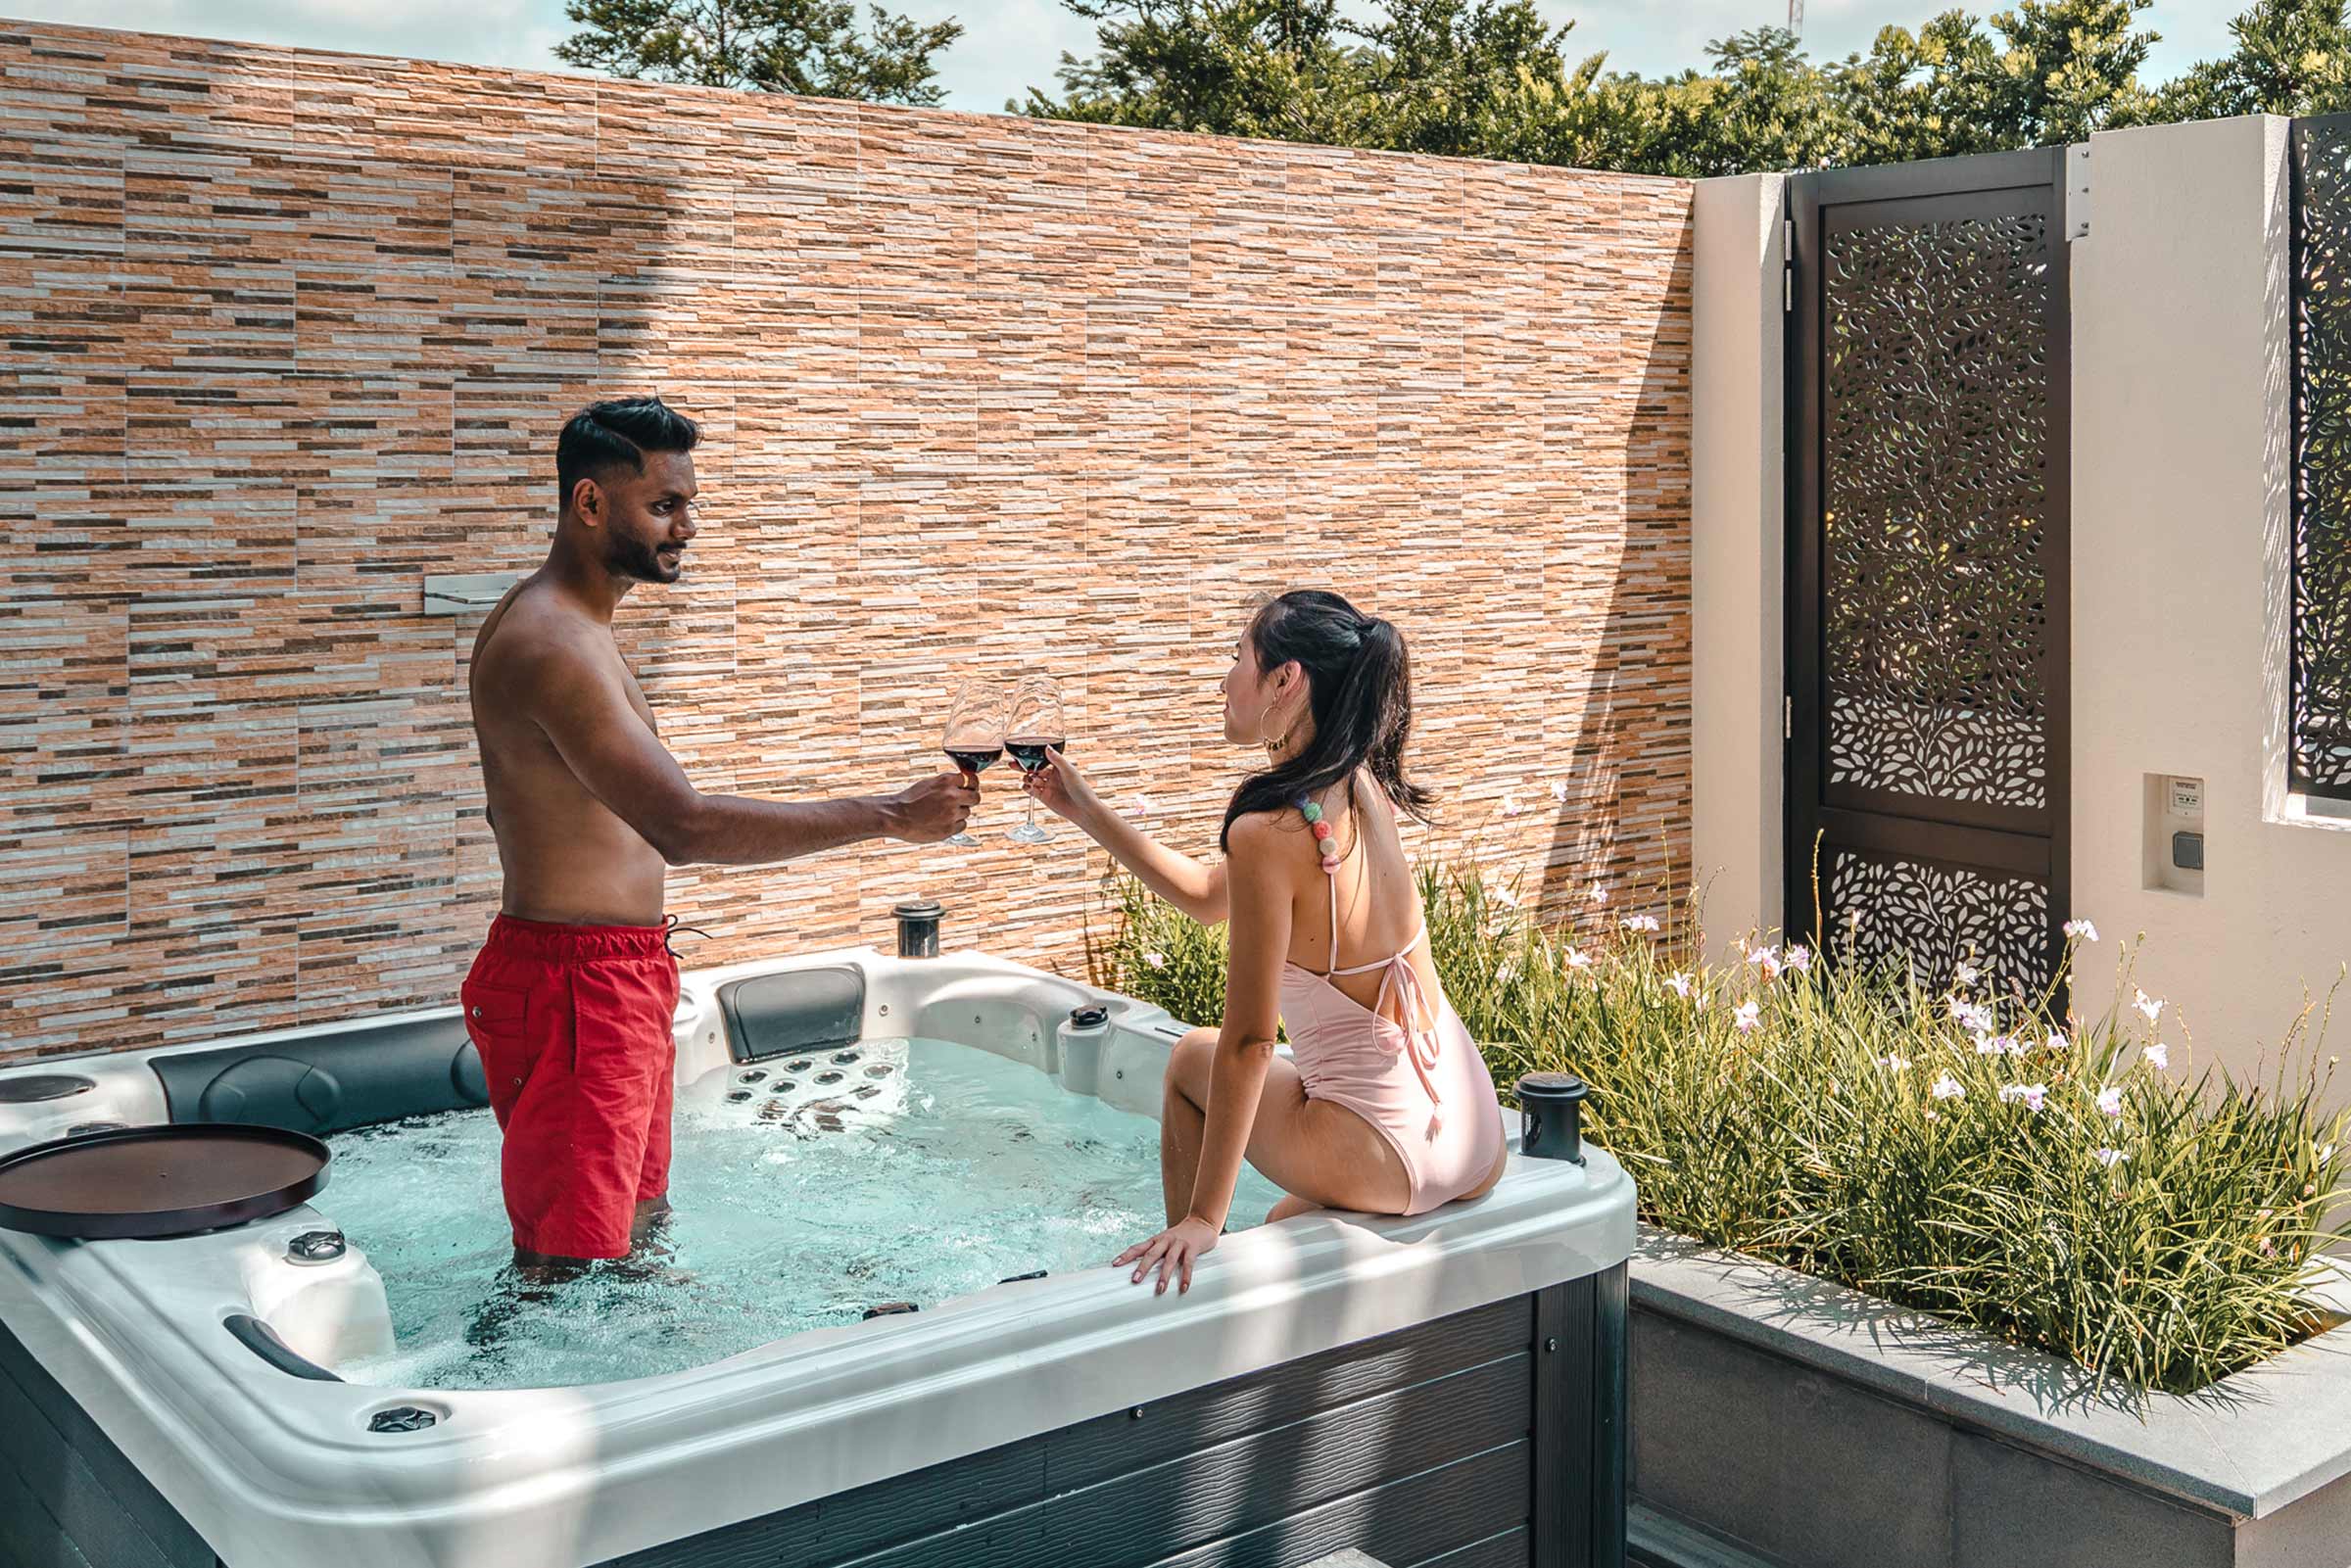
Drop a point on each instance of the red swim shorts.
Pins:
(573, 1025)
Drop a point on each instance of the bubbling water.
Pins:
(917, 1171)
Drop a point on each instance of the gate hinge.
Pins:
(1787, 264)
(1788, 718)
(2077, 190)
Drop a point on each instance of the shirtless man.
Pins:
(571, 997)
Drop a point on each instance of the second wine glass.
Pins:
(1033, 724)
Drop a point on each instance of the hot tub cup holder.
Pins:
(918, 927)
(1550, 1110)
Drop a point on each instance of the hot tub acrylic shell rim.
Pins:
(271, 1468)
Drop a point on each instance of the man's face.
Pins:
(648, 518)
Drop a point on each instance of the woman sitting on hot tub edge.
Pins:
(1388, 1108)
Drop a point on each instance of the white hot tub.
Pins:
(1448, 1387)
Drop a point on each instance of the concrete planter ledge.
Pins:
(1820, 1425)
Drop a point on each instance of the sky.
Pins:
(1010, 45)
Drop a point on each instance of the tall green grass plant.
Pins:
(2064, 1184)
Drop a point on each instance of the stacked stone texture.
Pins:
(285, 331)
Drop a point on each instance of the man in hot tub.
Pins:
(571, 997)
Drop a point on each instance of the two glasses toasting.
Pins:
(988, 719)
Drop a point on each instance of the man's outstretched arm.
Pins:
(584, 710)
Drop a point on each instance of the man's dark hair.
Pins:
(609, 435)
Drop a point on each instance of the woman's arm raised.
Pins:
(1199, 890)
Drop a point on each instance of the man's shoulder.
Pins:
(536, 636)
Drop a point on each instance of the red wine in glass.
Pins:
(1031, 724)
(975, 734)
(1030, 751)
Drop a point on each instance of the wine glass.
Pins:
(974, 734)
(1034, 722)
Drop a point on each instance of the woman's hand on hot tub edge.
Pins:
(1172, 1250)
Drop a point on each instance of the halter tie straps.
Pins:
(1396, 977)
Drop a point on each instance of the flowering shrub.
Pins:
(1159, 954)
(2042, 1177)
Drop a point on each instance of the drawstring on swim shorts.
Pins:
(670, 928)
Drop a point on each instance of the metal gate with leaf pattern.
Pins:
(1928, 427)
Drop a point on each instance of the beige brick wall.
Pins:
(281, 332)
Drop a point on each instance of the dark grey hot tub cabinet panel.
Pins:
(69, 1497)
(1491, 1438)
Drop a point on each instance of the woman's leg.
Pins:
(1325, 1156)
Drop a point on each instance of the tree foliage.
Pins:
(793, 46)
(1490, 79)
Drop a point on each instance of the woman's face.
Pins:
(1256, 703)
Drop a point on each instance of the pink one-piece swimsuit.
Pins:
(1421, 1082)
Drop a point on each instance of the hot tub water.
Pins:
(807, 1190)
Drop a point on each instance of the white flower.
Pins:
(2158, 1056)
(1599, 894)
(1894, 1064)
(1510, 805)
(1966, 974)
(1504, 971)
(1141, 806)
(2110, 1158)
(1505, 897)
(1990, 1045)
(1559, 790)
(1798, 958)
(1766, 958)
(1578, 959)
(1973, 1016)
(1158, 960)
(2030, 1095)
(1679, 985)
(1747, 1017)
(1639, 922)
(2057, 1040)
(2110, 1100)
(1948, 1088)
(2151, 1008)
(2082, 929)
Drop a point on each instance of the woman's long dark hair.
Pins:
(1358, 686)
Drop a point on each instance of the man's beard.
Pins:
(625, 557)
